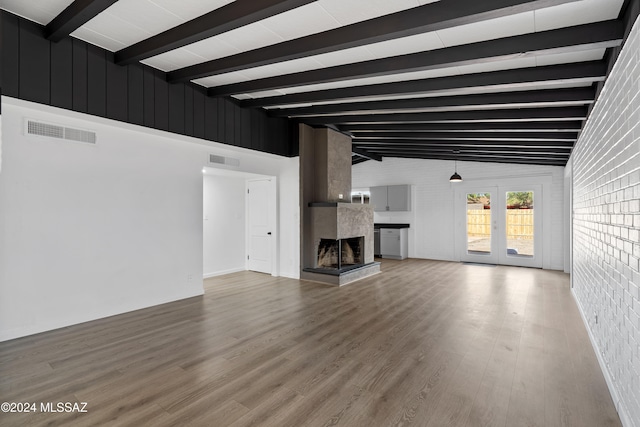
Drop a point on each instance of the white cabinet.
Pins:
(378, 198)
(391, 198)
(394, 243)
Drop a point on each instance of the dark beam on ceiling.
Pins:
(417, 20)
(584, 72)
(457, 136)
(75, 16)
(564, 40)
(558, 113)
(537, 151)
(524, 126)
(556, 145)
(480, 156)
(231, 16)
(472, 156)
(364, 153)
(357, 159)
(527, 161)
(534, 98)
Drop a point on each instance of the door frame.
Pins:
(273, 210)
(508, 184)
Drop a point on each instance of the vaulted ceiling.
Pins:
(491, 81)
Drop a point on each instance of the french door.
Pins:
(500, 225)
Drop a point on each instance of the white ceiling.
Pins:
(41, 12)
(508, 64)
(529, 22)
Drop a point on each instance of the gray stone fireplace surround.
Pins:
(326, 211)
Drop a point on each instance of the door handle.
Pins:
(269, 233)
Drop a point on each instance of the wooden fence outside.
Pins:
(519, 223)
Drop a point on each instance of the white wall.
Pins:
(0, 143)
(91, 231)
(606, 229)
(224, 246)
(432, 229)
(289, 218)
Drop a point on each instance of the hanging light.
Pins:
(455, 177)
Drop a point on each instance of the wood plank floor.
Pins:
(424, 343)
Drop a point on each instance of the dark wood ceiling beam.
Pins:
(463, 156)
(407, 128)
(525, 161)
(75, 16)
(231, 16)
(357, 159)
(417, 20)
(364, 153)
(564, 40)
(522, 114)
(537, 151)
(556, 145)
(577, 73)
(534, 98)
(453, 136)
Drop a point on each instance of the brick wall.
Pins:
(606, 228)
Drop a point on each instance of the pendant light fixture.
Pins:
(455, 177)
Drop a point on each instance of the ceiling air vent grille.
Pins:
(221, 160)
(60, 132)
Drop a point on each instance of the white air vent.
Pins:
(221, 160)
(60, 132)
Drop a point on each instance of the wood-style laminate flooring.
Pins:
(423, 343)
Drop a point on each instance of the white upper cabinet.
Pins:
(391, 198)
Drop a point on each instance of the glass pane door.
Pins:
(479, 223)
(521, 214)
(520, 224)
(500, 225)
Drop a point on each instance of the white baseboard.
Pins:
(83, 317)
(623, 413)
(290, 275)
(222, 273)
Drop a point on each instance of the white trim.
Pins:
(222, 273)
(623, 413)
(291, 275)
(275, 222)
(73, 319)
(568, 217)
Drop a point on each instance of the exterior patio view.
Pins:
(519, 223)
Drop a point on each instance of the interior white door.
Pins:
(260, 226)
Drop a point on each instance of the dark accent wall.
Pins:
(78, 76)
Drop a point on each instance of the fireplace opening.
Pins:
(340, 254)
